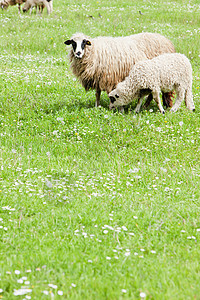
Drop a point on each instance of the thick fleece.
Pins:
(164, 73)
(101, 63)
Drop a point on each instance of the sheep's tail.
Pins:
(189, 99)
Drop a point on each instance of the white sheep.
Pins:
(41, 3)
(5, 3)
(101, 63)
(163, 73)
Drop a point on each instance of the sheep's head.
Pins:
(4, 4)
(78, 45)
(117, 98)
(26, 7)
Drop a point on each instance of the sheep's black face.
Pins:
(78, 46)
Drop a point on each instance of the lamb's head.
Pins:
(117, 98)
(79, 42)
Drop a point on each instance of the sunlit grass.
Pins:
(95, 204)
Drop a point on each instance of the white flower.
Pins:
(73, 285)
(20, 280)
(181, 123)
(142, 295)
(17, 272)
(46, 292)
(21, 292)
(53, 286)
(123, 291)
(105, 231)
(153, 251)
(60, 293)
(108, 258)
(1, 291)
(124, 228)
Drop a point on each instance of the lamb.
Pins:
(163, 73)
(41, 3)
(5, 3)
(101, 63)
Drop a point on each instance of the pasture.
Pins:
(95, 204)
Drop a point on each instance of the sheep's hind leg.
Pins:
(180, 96)
(189, 99)
(156, 97)
(98, 94)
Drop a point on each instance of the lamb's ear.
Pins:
(88, 43)
(68, 42)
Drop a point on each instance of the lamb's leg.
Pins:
(137, 109)
(19, 9)
(156, 97)
(180, 96)
(148, 101)
(189, 99)
(98, 94)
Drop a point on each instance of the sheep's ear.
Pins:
(117, 96)
(88, 43)
(68, 42)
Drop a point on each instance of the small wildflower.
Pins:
(142, 295)
(123, 291)
(60, 293)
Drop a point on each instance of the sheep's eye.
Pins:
(117, 96)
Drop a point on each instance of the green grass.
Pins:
(95, 204)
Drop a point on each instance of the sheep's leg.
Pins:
(19, 9)
(189, 99)
(121, 109)
(148, 101)
(98, 94)
(156, 97)
(137, 109)
(180, 96)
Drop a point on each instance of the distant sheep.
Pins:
(5, 3)
(101, 63)
(41, 3)
(163, 73)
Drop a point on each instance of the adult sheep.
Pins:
(163, 73)
(101, 63)
(41, 3)
(5, 3)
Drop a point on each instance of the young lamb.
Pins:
(41, 3)
(163, 73)
(5, 3)
(101, 63)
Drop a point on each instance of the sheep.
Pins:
(5, 3)
(41, 3)
(163, 73)
(101, 63)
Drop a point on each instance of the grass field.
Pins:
(95, 204)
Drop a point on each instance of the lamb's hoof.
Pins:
(193, 109)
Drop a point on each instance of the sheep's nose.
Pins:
(78, 53)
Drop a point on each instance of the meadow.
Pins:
(95, 204)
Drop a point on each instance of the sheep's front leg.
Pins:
(156, 97)
(19, 9)
(137, 109)
(98, 94)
